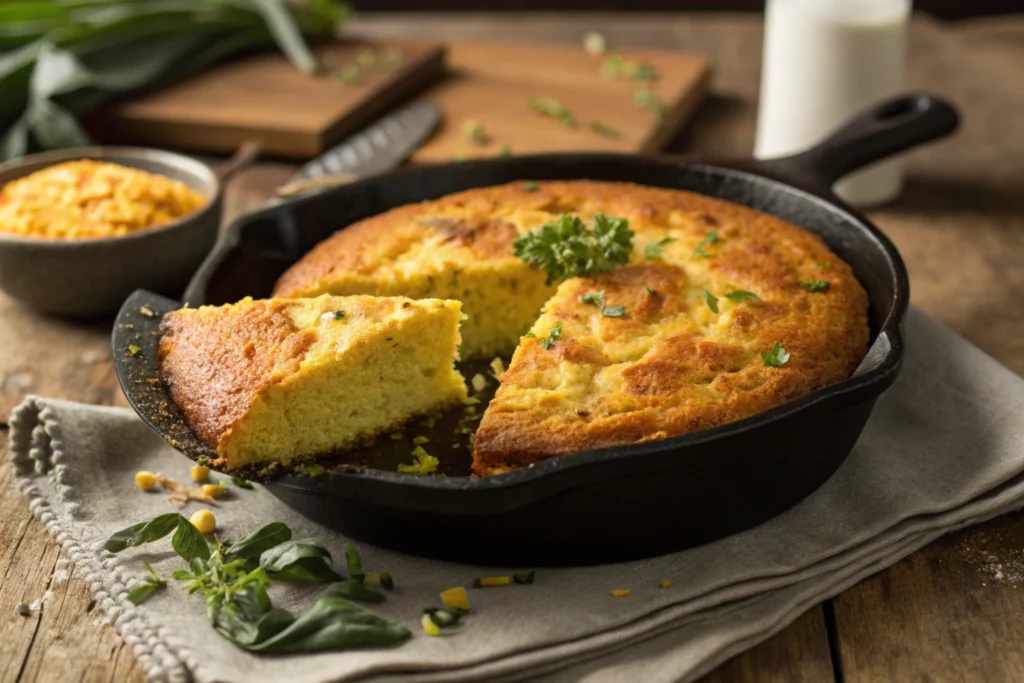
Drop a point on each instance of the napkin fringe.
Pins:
(36, 450)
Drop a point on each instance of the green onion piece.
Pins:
(524, 578)
(442, 616)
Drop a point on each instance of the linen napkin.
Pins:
(943, 449)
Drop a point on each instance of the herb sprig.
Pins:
(653, 250)
(710, 238)
(233, 578)
(568, 248)
(549, 106)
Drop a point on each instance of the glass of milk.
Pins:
(825, 61)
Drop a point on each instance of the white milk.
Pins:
(824, 61)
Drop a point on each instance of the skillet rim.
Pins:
(857, 388)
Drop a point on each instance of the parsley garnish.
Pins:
(825, 265)
(530, 186)
(711, 300)
(613, 311)
(568, 248)
(644, 72)
(653, 250)
(647, 99)
(554, 334)
(604, 130)
(596, 298)
(776, 356)
(652, 291)
(710, 238)
(474, 131)
(815, 285)
(741, 295)
(553, 108)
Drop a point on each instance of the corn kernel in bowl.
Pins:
(92, 199)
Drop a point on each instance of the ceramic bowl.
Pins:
(91, 277)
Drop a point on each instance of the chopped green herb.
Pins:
(353, 590)
(568, 248)
(815, 285)
(530, 186)
(710, 238)
(594, 43)
(241, 482)
(604, 130)
(647, 99)
(595, 298)
(711, 300)
(613, 311)
(644, 72)
(823, 264)
(425, 463)
(739, 295)
(145, 590)
(474, 131)
(652, 291)
(314, 469)
(776, 356)
(653, 250)
(504, 151)
(524, 578)
(204, 462)
(548, 106)
(553, 335)
(134, 350)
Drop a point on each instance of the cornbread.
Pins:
(283, 380)
(92, 199)
(666, 363)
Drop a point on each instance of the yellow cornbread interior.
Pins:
(361, 366)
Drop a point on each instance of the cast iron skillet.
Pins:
(599, 506)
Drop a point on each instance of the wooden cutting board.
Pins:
(299, 116)
(492, 83)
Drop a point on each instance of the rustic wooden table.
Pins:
(953, 611)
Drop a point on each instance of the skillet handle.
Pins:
(886, 129)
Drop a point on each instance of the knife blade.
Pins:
(380, 147)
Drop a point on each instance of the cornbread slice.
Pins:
(280, 380)
(437, 249)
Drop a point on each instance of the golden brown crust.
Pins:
(670, 365)
(211, 364)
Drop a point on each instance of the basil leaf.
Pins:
(145, 532)
(258, 542)
(298, 561)
(353, 590)
(140, 594)
(244, 632)
(333, 623)
(188, 542)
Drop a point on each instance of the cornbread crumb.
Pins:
(92, 199)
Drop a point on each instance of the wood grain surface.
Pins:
(264, 97)
(950, 612)
(491, 84)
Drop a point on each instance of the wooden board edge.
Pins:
(681, 113)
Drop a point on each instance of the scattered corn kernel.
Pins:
(498, 367)
(455, 598)
(145, 480)
(492, 581)
(666, 583)
(204, 521)
(479, 382)
(200, 473)
(429, 626)
(620, 592)
(214, 490)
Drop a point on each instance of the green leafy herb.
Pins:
(425, 463)
(525, 578)
(776, 356)
(241, 482)
(474, 131)
(568, 248)
(299, 562)
(652, 291)
(64, 59)
(258, 542)
(204, 462)
(648, 99)
(548, 106)
(739, 295)
(825, 265)
(333, 623)
(188, 542)
(710, 238)
(355, 564)
(653, 250)
(530, 186)
(530, 335)
(711, 300)
(613, 311)
(552, 337)
(604, 130)
(145, 532)
(595, 298)
(815, 285)
(644, 72)
(504, 151)
(145, 590)
(353, 590)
